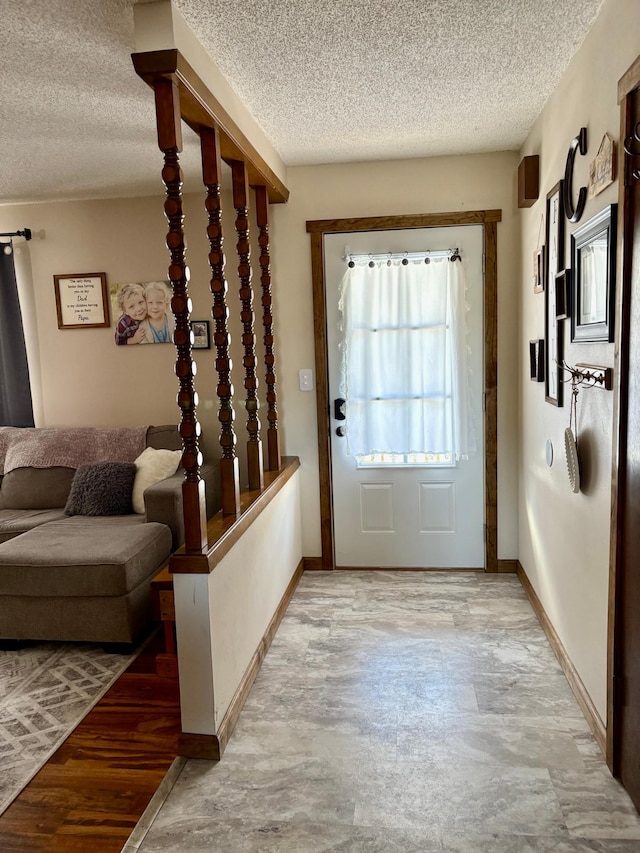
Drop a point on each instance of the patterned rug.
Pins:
(45, 691)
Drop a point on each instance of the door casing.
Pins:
(622, 555)
(317, 230)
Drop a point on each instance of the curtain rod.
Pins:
(26, 233)
(404, 257)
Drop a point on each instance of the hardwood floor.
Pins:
(93, 790)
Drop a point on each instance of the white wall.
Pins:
(222, 617)
(564, 538)
(433, 185)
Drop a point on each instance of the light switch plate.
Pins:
(305, 378)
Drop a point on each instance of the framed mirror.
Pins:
(593, 253)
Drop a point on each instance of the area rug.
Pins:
(46, 689)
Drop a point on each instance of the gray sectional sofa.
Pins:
(85, 578)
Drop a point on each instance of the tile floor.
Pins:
(400, 712)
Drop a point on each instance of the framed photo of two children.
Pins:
(142, 313)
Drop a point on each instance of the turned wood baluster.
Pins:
(262, 218)
(170, 142)
(211, 169)
(241, 204)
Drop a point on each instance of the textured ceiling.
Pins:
(327, 82)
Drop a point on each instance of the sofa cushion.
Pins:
(152, 466)
(102, 488)
(13, 522)
(165, 436)
(81, 556)
(36, 488)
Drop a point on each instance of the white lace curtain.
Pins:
(405, 372)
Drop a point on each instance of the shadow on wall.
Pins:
(588, 458)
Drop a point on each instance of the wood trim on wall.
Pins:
(491, 393)
(507, 567)
(201, 109)
(626, 85)
(317, 229)
(213, 746)
(223, 531)
(575, 682)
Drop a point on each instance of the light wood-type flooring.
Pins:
(91, 793)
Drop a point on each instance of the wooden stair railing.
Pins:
(181, 95)
(229, 475)
(254, 443)
(262, 219)
(170, 142)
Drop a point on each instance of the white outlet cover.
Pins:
(305, 379)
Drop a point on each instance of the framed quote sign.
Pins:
(82, 300)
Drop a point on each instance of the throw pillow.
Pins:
(102, 488)
(152, 466)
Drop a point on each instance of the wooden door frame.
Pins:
(626, 86)
(317, 230)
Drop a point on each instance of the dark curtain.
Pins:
(16, 408)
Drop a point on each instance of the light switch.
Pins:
(306, 379)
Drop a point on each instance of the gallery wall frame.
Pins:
(201, 336)
(82, 300)
(563, 294)
(593, 258)
(536, 360)
(553, 328)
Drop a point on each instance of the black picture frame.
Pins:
(536, 360)
(554, 263)
(563, 294)
(593, 254)
(201, 336)
(538, 270)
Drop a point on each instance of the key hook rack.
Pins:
(588, 375)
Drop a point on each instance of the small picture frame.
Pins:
(538, 270)
(563, 294)
(82, 300)
(593, 253)
(200, 329)
(536, 360)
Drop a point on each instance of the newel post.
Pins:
(170, 143)
(211, 169)
(241, 204)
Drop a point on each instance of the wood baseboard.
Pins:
(508, 566)
(313, 564)
(575, 682)
(213, 746)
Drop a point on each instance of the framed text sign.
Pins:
(82, 300)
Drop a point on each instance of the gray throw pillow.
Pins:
(102, 488)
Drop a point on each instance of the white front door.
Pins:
(408, 516)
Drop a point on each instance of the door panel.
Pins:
(408, 517)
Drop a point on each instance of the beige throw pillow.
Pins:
(152, 466)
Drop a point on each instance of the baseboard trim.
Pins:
(313, 564)
(508, 567)
(575, 682)
(457, 570)
(213, 746)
